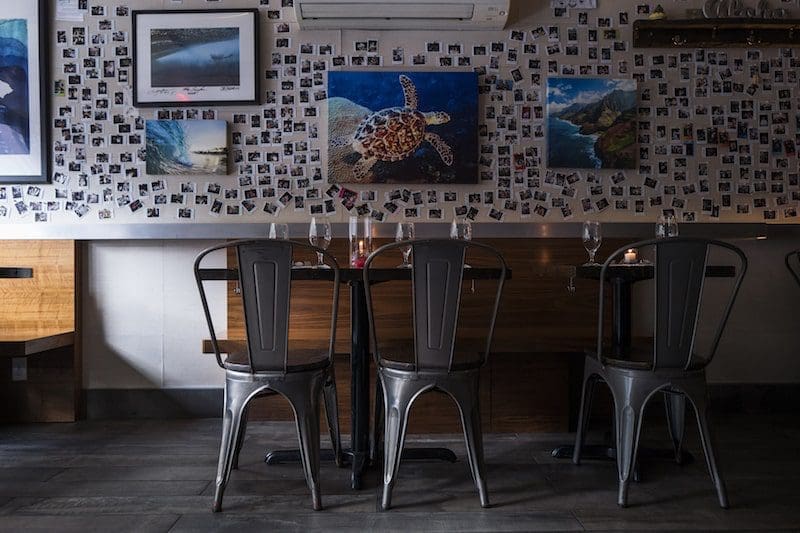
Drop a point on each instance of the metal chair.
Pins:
(264, 274)
(437, 275)
(675, 367)
(794, 266)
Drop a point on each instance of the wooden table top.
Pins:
(25, 343)
(643, 271)
(351, 274)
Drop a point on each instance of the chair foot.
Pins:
(622, 497)
(316, 501)
(386, 499)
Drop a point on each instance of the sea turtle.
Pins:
(394, 133)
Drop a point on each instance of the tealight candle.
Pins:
(630, 256)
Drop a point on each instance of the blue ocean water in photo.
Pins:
(567, 148)
(204, 63)
(14, 98)
(455, 93)
(170, 149)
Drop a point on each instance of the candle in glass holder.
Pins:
(630, 257)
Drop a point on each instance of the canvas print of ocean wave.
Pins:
(591, 123)
(402, 127)
(192, 57)
(181, 147)
(14, 100)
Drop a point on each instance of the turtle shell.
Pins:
(391, 134)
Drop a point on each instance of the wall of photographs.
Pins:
(710, 134)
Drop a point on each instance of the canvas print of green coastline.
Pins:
(591, 123)
(182, 147)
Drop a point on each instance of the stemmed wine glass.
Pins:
(666, 226)
(278, 231)
(319, 235)
(405, 232)
(592, 237)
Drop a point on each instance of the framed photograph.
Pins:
(403, 127)
(195, 57)
(591, 123)
(24, 130)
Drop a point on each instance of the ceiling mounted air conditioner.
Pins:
(401, 15)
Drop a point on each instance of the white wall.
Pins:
(142, 318)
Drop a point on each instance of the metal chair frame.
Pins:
(793, 269)
(675, 370)
(437, 277)
(268, 355)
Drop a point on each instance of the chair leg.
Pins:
(584, 414)
(629, 405)
(304, 398)
(398, 397)
(231, 421)
(332, 415)
(700, 404)
(675, 405)
(240, 437)
(467, 397)
(377, 425)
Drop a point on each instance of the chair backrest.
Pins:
(679, 274)
(265, 275)
(793, 264)
(437, 274)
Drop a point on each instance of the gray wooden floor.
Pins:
(158, 476)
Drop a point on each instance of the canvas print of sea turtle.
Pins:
(391, 127)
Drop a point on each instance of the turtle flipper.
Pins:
(439, 117)
(445, 152)
(362, 167)
(409, 92)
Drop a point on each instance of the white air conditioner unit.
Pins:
(402, 14)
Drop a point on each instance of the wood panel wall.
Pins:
(41, 306)
(541, 332)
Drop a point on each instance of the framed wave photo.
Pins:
(23, 105)
(195, 57)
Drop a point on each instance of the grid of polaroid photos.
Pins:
(716, 130)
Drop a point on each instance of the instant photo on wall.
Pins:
(403, 127)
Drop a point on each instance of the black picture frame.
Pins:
(35, 168)
(205, 95)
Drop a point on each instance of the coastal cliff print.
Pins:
(402, 127)
(591, 123)
(14, 90)
(194, 57)
(181, 147)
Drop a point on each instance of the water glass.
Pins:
(592, 238)
(461, 230)
(666, 226)
(279, 231)
(405, 232)
(319, 235)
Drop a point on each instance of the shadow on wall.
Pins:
(148, 400)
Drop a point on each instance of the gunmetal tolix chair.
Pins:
(793, 264)
(676, 363)
(435, 363)
(267, 364)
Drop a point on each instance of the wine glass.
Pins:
(319, 235)
(405, 232)
(592, 237)
(666, 226)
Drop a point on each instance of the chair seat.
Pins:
(299, 361)
(400, 356)
(642, 359)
